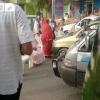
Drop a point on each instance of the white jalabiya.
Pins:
(14, 30)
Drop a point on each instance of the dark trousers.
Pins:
(15, 96)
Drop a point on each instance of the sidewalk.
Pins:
(40, 83)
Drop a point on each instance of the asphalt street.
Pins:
(40, 83)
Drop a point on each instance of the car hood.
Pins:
(64, 42)
(64, 38)
(68, 27)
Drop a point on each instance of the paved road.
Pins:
(41, 84)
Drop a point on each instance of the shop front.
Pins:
(96, 7)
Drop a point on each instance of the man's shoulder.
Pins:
(10, 7)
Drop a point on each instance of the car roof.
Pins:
(92, 17)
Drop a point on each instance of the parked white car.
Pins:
(73, 67)
(81, 23)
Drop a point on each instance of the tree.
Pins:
(29, 8)
(40, 5)
(66, 2)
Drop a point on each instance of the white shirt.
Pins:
(14, 30)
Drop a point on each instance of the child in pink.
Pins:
(37, 54)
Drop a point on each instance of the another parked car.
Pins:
(85, 21)
(77, 59)
(61, 45)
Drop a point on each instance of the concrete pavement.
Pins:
(41, 84)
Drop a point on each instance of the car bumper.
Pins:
(71, 75)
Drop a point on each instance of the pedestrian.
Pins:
(37, 56)
(53, 24)
(66, 15)
(15, 39)
(47, 37)
(59, 31)
(36, 27)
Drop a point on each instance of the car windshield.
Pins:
(74, 32)
(70, 34)
(83, 33)
(82, 37)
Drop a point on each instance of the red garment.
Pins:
(47, 37)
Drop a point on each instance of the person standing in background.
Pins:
(15, 39)
(47, 37)
(36, 27)
(37, 54)
(53, 24)
(74, 12)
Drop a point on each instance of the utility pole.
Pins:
(92, 6)
(53, 8)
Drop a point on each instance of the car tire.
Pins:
(62, 51)
(56, 70)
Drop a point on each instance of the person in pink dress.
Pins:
(37, 56)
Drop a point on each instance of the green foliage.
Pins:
(92, 86)
(13, 1)
(21, 1)
(29, 8)
(35, 6)
(40, 4)
(66, 2)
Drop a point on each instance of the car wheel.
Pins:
(62, 52)
(55, 67)
(59, 61)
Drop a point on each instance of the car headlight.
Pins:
(54, 64)
(69, 62)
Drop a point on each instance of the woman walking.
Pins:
(47, 37)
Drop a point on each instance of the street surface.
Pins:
(40, 83)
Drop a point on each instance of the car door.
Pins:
(84, 54)
(83, 59)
